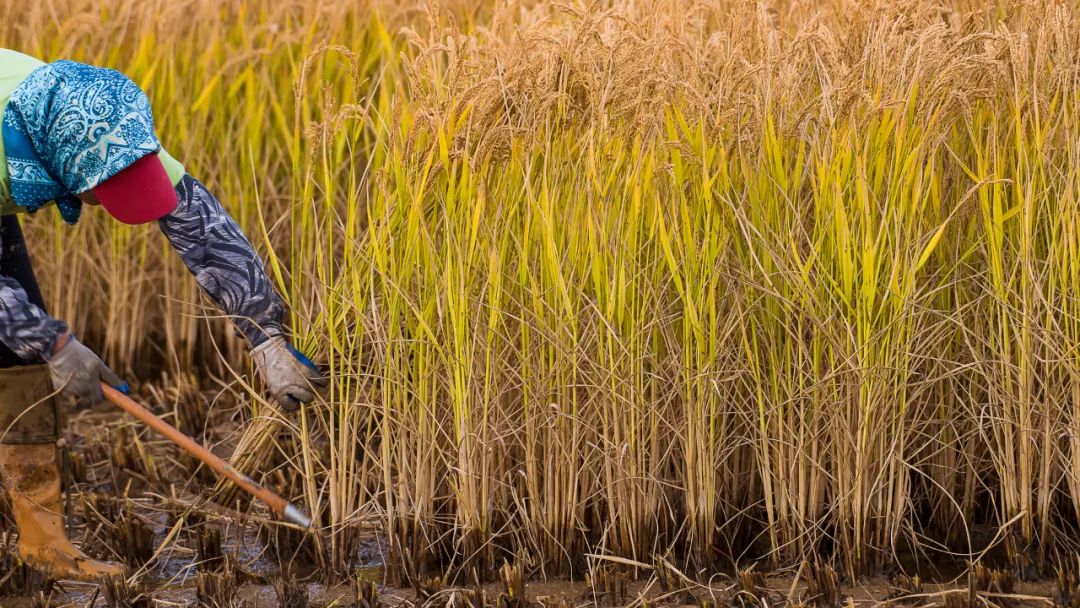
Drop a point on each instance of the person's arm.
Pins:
(216, 251)
(25, 328)
(32, 335)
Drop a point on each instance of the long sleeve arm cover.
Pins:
(216, 251)
(25, 328)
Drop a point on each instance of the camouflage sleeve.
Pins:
(25, 328)
(216, 251)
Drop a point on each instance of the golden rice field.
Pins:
(712, 281)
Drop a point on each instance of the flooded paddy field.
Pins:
(137, 499)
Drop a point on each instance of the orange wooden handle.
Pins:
(219, 466)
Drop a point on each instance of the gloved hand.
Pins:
(291, 377)
(78, 372)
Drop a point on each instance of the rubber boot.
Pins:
(32, 478)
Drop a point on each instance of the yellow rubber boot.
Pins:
(32, 478)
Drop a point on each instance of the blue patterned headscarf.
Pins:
(67, 128)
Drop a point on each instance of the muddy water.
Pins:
(181, 592)
(171, 579)
(778, 589)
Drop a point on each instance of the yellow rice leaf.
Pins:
(931, 246)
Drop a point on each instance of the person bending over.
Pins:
(76, 135)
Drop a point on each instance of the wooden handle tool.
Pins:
(281, 506)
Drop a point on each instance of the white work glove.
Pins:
(78, 371)
(291, 377)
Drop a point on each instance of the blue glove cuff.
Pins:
(301, 357)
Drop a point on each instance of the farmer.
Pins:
(77, 135)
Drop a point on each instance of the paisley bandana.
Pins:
(67, 128)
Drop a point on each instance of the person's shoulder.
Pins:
(9, 55)
(23, 73)
(15, 68)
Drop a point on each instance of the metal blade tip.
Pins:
(296, 516)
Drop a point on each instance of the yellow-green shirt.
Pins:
(14, 68)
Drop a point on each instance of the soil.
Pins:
(552, 593)
(158, 506)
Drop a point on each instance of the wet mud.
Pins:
(157, 496)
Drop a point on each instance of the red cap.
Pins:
(140, 193)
